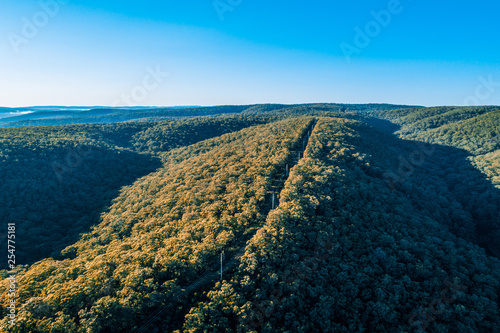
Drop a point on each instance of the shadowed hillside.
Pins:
(369, 225)
(58, 180)
(347, 252)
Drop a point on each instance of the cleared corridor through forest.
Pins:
(212, 273)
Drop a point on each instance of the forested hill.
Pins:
(356, 229)
(346, 253)
(65, 116)
(57, 180)
(475, 129)
(161, 232)
(476, 132)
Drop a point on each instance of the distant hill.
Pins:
(49, 116)
(20, 116)
(62, 176)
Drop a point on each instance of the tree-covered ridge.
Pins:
(479, 135)
(445, 183)
(345, 252)
(437, 117)
(425, 118)
(158, 234)
(320, 109)
(475, 129)
(115, 115)
(57, 180)
(373, 231)
(166, 135)
(111, 115)
(490, 164)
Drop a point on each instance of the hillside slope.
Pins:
(476, 129)
(158, 234)
(57, 180)
(345, 253)
(476, 132)
(116, 115)
(374, 232)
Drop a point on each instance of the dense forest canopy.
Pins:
(57, 180)
(345, 253)
(476, 132)
(161, 231)
(64, 116)
(475, 129)
(330, 218)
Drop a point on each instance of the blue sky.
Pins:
(87, 52)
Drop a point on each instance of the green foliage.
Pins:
(165, 135)
(479, 135)
(373, 232)
(476, 129)
(345, 253)
(161, 232)
(115, 115)
(59, 179)
(490, 164)
(56, 182)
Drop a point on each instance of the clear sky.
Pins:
(89, 52)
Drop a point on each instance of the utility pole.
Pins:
(221, 255)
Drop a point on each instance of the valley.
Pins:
(331, 218)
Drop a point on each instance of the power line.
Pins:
(211, 273)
